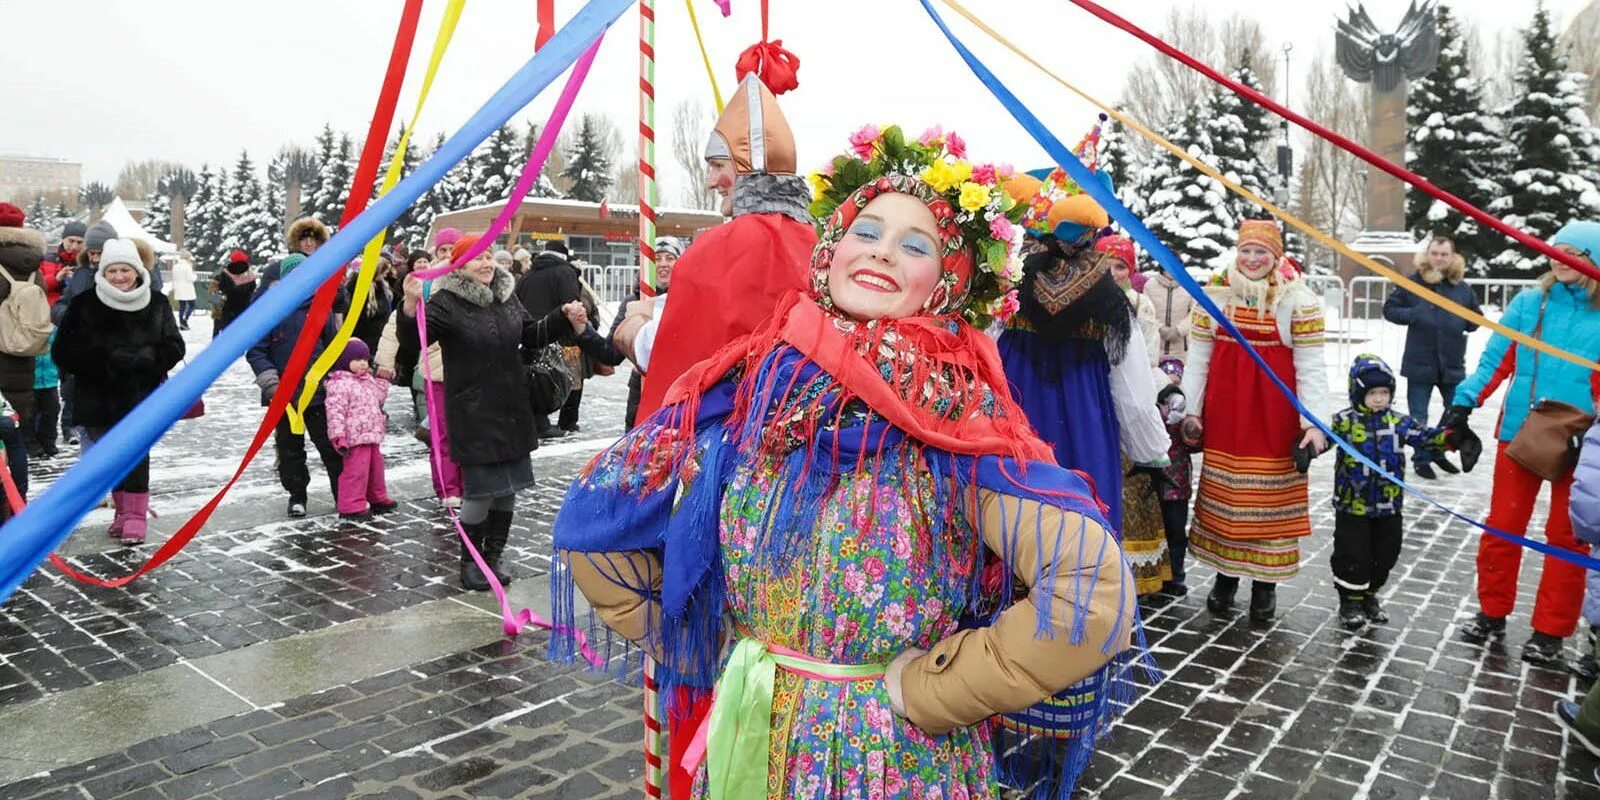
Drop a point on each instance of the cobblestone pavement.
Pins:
(201, 680)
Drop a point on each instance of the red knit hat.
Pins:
(10, 216)
(1119, 247)
(462, 245)
(238, 257)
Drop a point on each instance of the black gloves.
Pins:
(1460, 438)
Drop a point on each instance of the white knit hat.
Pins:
(121, 251)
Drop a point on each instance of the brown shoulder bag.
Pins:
(1544, 445)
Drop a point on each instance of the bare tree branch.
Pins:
(691, 124)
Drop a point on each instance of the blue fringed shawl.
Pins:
(654, 492)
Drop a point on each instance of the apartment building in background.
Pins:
(24, 177)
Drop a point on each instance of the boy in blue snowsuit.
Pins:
(1367, 508)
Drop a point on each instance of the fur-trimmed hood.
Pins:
(462, 285)
(302, 227)
(21, 251)
(23, 236)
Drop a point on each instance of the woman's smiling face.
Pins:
(888, 262)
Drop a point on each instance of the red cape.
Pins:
(725, 286)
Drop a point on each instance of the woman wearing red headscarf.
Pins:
(839, 496)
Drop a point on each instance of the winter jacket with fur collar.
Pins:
(482, 330)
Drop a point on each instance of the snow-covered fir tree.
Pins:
(158, 218)
(588, 165)
(542, 187)
(276, 188)
(495, 166)
(38, 214)
(1452, 143)
(1241, 134)
(334, 174)
(323, 151)
(1552, 150)
(412, 224)
(61, 212)
(1187, 210)
(251, 225)
(1116, 160)
(205, 215)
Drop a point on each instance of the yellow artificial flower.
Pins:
(943, 176)
(974, 196)
(964, 169)
(819, 185)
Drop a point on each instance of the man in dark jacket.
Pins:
(550, 284)
(1436, 341)
(268, 359)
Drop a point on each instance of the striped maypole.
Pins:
(655, 739)
(647, 148)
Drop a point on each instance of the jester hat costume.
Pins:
(828, 494)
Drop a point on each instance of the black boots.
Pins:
(1263, 601)
(1352, 614)
(489, 536)
(497, 530)
(1482, 628)
(1220, 601)
(1374, 609)
(471, 577)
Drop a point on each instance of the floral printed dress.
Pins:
(865, 584)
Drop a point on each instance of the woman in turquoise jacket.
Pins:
(1565, 312)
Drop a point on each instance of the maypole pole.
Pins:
(655, 749)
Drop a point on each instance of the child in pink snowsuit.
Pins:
(356, 426)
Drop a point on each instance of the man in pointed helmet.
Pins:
(727, 283)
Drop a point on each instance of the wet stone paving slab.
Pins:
(315, 658)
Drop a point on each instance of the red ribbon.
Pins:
(547, 23)
(321, 307)
(1520, 236)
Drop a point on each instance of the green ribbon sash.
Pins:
(739, 728)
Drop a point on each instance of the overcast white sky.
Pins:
(108, 81)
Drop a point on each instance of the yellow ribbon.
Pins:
(716, 93)
(369, 256)
(739, 740)
(1416, 288)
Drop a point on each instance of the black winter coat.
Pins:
(1436, 340)
(116, 357)
(550, 284)
(236, 296)
(481, 331)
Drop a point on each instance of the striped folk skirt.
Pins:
(1251, 508)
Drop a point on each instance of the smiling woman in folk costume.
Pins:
(1251, 510)
(1077, 361)
(830, 515)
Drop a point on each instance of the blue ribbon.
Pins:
(1080, 173)
(28, 538)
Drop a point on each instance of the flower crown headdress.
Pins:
(976, 216)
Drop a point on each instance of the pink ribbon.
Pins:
(518, 621)
(530, 172)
